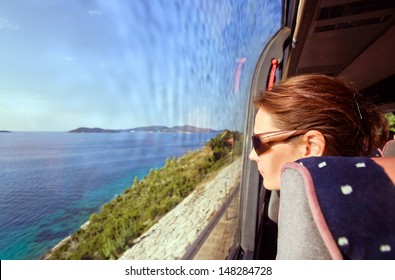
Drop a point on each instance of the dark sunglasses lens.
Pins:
(259, 147)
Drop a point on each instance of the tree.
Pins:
(391, 121)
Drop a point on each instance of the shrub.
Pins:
(122, 220)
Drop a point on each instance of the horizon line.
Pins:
(115, 129)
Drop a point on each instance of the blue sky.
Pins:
(123, 64)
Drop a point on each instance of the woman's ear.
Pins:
(313, 144)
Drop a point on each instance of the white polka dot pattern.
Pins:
(360, 165)
(342, 241)
(322, 164)
(346, 189)
(385, 248)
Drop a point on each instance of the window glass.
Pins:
(107, 111)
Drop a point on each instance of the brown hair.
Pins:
(351, 125)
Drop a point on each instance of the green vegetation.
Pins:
(112, 231)
(391, 121)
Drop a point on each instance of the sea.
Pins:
(51, 182)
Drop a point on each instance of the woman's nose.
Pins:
(253, 155)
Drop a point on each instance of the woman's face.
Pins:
(270, 162)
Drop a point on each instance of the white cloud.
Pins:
(5, 24)
(94, 13)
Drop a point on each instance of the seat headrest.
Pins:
(351, 200)
(389, 149)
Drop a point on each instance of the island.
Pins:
(151, 129)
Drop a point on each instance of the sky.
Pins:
(124, 64)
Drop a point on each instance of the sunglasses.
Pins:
(261, 141)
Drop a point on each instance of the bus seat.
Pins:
(389, 149)
(337, 208)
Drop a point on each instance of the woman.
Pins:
(313, 115)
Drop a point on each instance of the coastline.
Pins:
(171, 236)
(61, 242)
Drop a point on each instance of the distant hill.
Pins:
(155, 128)
(191, 128)
(4, 131)
(93, 130)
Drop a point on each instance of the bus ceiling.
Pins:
(351, 39)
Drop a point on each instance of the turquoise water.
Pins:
(50, 183)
